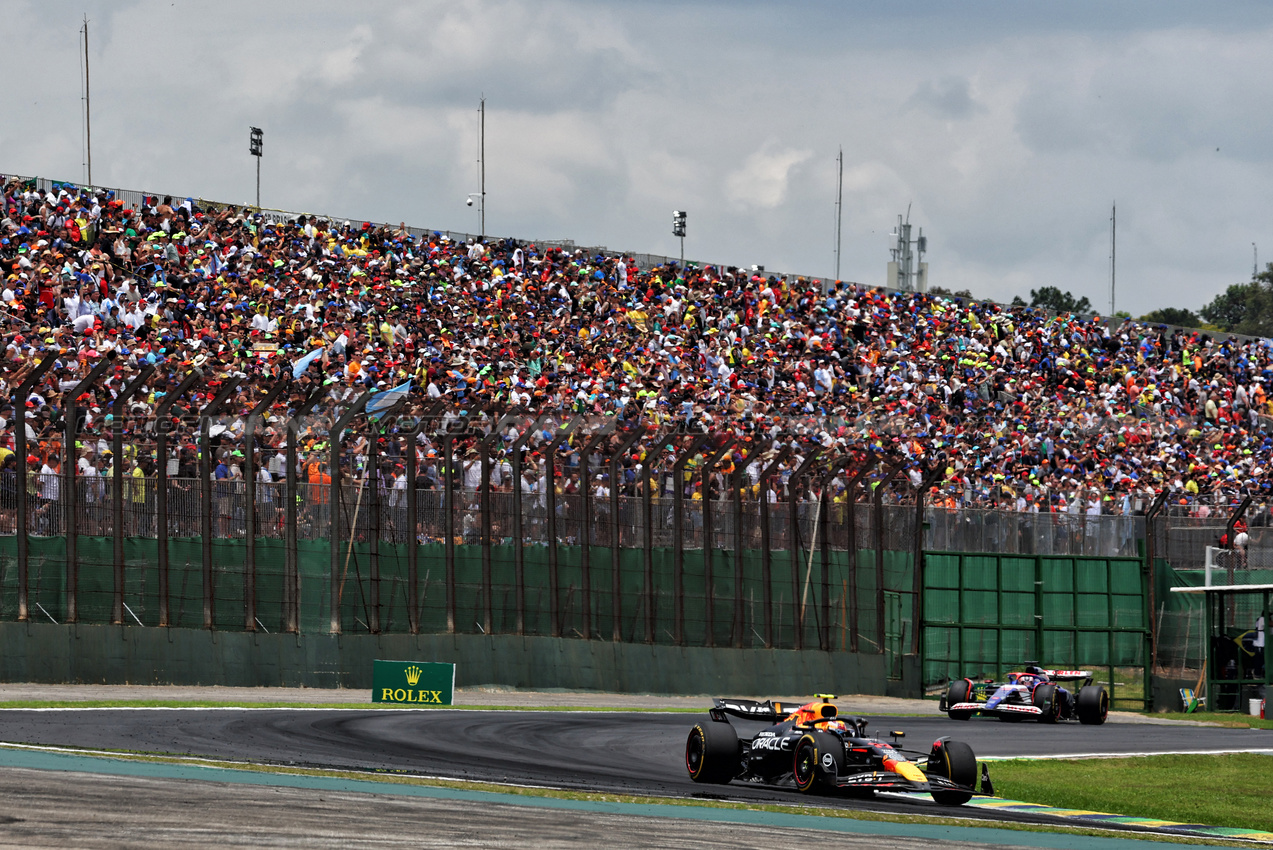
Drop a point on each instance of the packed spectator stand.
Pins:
(986, 407)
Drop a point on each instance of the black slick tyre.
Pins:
(818, 761)
(711, 753)
(955, 761)
(1046, 699)
(959, 691)
(1093, 705)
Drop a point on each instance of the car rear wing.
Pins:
(1068, 675)
(749, 709)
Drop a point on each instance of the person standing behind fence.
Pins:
(137, 491)
(8, 493)
(1241, 542)
(50, 487)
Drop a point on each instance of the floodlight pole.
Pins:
(88, 113)
(839, 210)
(256, 147)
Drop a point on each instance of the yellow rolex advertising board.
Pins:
(412, 682)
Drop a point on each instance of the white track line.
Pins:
(1257, 751)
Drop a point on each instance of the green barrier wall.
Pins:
(266, 657)
(987, 614)
(36, 652)
(792, 587)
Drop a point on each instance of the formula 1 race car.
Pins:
(813, 748)
(1033, 694)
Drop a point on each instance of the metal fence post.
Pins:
(450, 435)
(616, 576)
(585, 537)
(850, 502)
(427, 418)
(824, 545)
(737, 629)
(117, 478)
(162, 426)
(377, 430)
(554, 595)
(484, 447)
(19, 401)
(335, 441)
(205, 488)
(249, 482)
(70, 489)
(291, 493)
(709, 528)
(888, 476)
(917, 559)
(793, 545)
(1151, 571)
(647, 498)
(519, 542)
(766, 540)
(678, 536)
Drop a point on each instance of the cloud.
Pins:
(763, 179)
(949, 98)
(1010, 133)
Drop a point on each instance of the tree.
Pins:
(946, 293)
(1172, 316)
(1244, 307)
(1061, 302)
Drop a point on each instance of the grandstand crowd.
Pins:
(1014, 407)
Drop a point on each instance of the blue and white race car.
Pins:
(1032, 694)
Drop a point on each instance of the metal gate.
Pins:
(893, 637)
(987, 614)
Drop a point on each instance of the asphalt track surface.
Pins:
(616, 752)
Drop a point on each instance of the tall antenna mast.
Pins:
(1255, 261)
(839, 210)
(1113, 252)
(88, 113)
(482, 164)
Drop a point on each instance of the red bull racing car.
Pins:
(811, 747)
(1033, 694)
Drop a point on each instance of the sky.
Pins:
(1008, 129)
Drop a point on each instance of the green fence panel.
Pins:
(941, 570)
(1073, 612)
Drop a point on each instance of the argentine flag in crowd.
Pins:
(384, 400)
(299, 367)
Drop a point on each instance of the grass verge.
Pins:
(1227, 790)
(397, 778)
(1220, 718)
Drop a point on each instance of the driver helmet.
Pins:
(837, 726)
